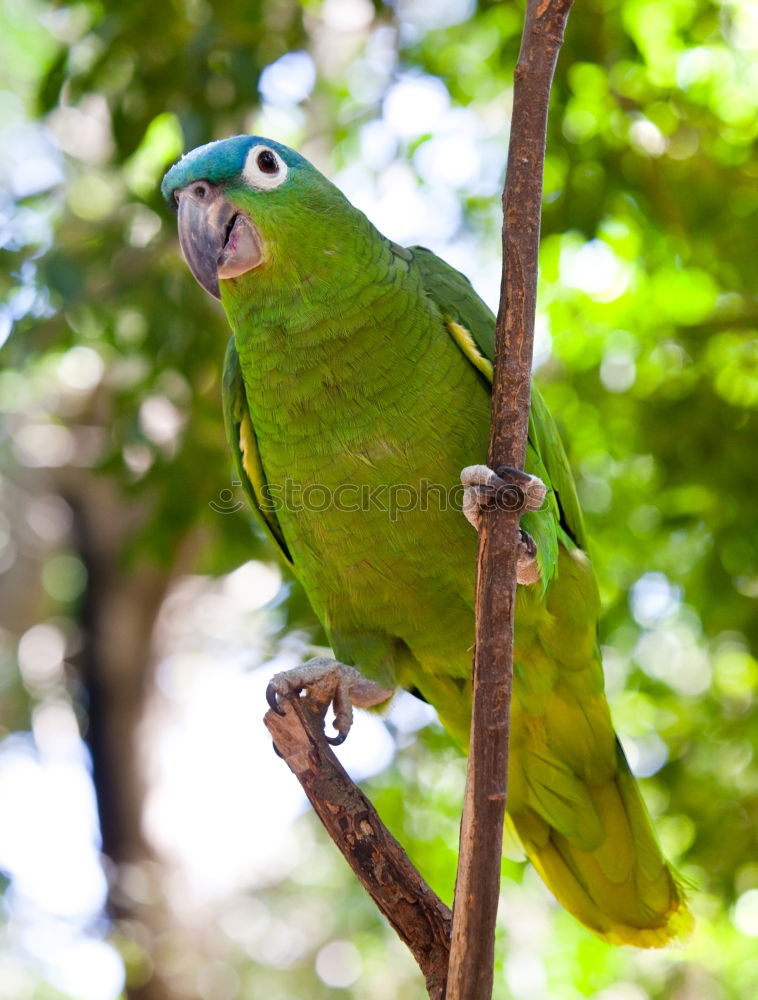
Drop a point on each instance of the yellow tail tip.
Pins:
(678, 927)
(643, 922)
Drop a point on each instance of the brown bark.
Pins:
(477, 889)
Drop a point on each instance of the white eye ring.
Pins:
(258, 172)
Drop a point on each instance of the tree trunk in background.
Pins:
(117, 615)
(118, 612)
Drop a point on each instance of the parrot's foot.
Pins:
(506, 489)
(328, 681)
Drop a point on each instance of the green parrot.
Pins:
(356, 388)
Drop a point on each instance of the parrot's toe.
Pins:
(328, 682)
(534, 490)
(506, 489)
(527, 567)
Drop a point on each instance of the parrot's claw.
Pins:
(336, 741)
(271, 698)
(506, 488)
(328, 681)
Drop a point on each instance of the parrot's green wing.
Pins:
(472, 325)
(245, 455)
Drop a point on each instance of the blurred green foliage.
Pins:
(649, 345)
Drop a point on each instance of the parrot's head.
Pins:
(248, 206)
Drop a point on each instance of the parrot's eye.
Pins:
(267, 162)
(264, 169)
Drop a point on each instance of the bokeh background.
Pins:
(151, 845)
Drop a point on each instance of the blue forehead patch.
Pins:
(221, 161)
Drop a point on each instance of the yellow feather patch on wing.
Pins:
(251, 463)
(466, 343)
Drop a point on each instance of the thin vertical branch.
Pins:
(470, 972)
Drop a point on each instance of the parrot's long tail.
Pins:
(621, 888)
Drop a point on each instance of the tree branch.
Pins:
(418, 916)
(477, 888)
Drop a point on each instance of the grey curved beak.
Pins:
(217, 240)
(204, 215)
